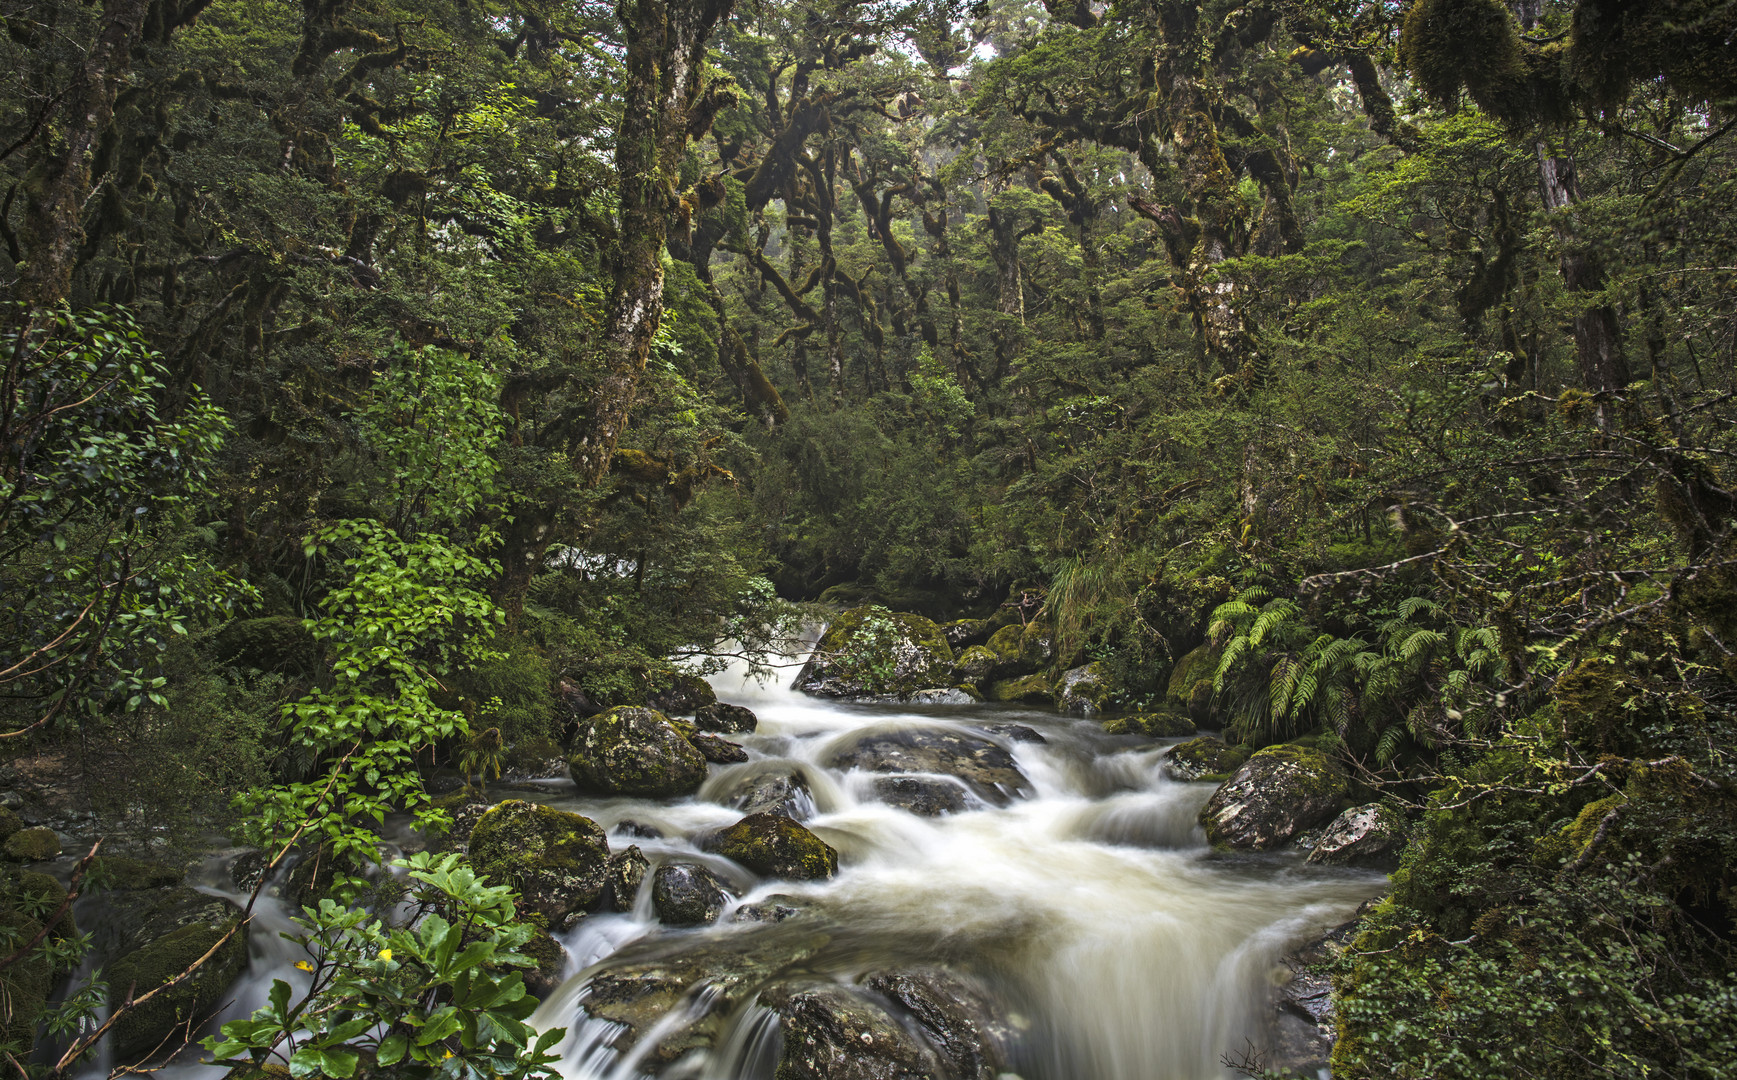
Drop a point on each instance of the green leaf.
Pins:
(392, 1049)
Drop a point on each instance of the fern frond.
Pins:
(1387, 747)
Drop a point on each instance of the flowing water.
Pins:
(1116, 943)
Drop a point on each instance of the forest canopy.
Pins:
(381, 374)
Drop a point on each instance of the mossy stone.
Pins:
(39, 895)
(773, 846)
(976, 665)
(686, 694)
(10, 823)
(1153, 725)
(556, 860)
(32, 845)
(913, 655)
(1004, 643)
(1204, 758)
(1191, 680)
(1024, 690)
(155, 1023)
(121, 874)
(551, 959)
(1278, 793)
(630, 750)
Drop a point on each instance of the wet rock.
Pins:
(773, 846)
(156, 934)
(685, 696)
(942, 695)
(1368, 836)
(687, 894)
(925, 796)
(976, 665)
(1305, 1026)
(1014, 732)
(121, 874)
(961, 633)
(32, 845)
(785, 793)
(11, 800)
(717, 749)
(246, 869)
(986, 767)
(729, 719)
(624, 873)
(774, 909)
(1198, 759)
(957, 1017)
(634, 751)
(834, 1033)
(1024, 690)
(1153, 725)
(1277, 793)
(557, 861)
(551, 958)
(629, 827)
(640, 986)
(1086, 690)
(899, 654)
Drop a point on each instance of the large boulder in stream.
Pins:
(558, 861)
(707, 979)
(145, 938)
(870, 652)
(955, 1015)
(773, 846)
(1368, 836)
(784, 791)
(1153, 725)
(832, 1032)
(1086, 690)
(925, 796)
(1278, 793)
(1204, 758)
(686, 695)
(687, 894)
(986, 767)
(630, 750)
(624, 875)
(728, 719)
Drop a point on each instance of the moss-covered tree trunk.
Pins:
(1597, 338)
(666, 101)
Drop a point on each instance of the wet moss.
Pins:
(556, 860)
(1026, 690)
(630, 750)
(32, 845)
(157, 1021)
(1153, 725)
(772, 845)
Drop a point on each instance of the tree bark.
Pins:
(60, 182)
(1597, 334)
(665, 103)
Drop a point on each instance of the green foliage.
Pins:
(435, 995)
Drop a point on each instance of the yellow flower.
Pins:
(448, 1054)
(385, 954)
(303, 965)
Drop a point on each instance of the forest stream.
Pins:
(1113, 943)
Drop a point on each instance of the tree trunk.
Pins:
(1597, 336)
(665, 102)
(61, 179)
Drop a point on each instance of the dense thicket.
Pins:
(380, 373)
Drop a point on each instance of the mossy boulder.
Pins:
(32, 845)
(871, 652)
(1207, 756)
(959, 1018)
(1368, 836)
(728, 719)
(783, 791)
(162, 1020)
(1005, 643)
(1024, 690)
(961, 633)
(686, 695)
(121, 874)
(551, 960)
(38, 896)
(10, 824)
(1086, 690)
(774, 846)
(556, 860)
(630, 750)
(1278, 793)
(975, 666)
(717, 749)
(1191, 680)
(1153, 725)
